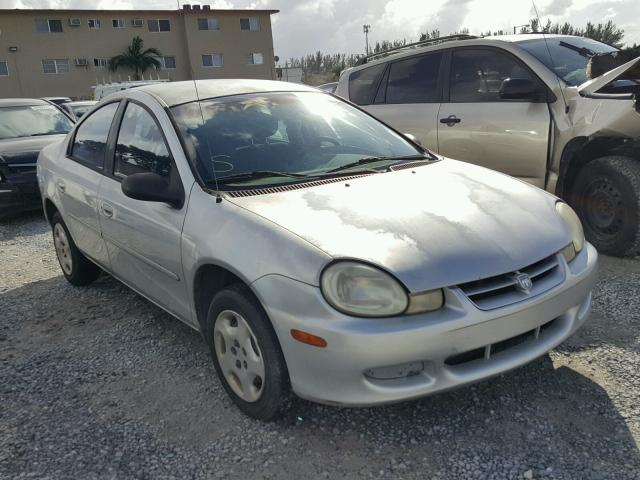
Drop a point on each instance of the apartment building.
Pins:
(66, 52)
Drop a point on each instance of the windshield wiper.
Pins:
(584, 51)
(259, 174)
(364, 161)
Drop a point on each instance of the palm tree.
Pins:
(135, 58)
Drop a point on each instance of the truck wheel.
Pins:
(606, 195)
(246, 353)
(77, 269)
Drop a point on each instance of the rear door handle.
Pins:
(61, 186)
(451, 120)
(106, 209)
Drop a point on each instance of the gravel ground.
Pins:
(99, 383)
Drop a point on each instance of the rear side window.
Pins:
(363, 84)
(476, 75)
(140, 146)
(414, 80)
(90, 142)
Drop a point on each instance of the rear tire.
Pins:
(76, 268)
(246, 353)
(606, 195)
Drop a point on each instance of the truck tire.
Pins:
(606, 196)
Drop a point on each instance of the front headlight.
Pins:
(573, 224)
(359, 289)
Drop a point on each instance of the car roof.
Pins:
(22, 102)
(176, 93)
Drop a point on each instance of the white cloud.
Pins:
(304, 26)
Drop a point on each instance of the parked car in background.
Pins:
(26, 126)
(57, 100)
(328, 87)
(79, 108)
(523, 105)
(314, 247)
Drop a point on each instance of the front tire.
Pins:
(76, 268)
(246, 353)
(606, 195)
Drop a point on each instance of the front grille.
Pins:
(502, 290)
(489, 351)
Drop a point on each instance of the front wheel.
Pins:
(77, 269)
(246, 353)
(606, 195)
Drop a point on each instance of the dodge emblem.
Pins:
(523, 282)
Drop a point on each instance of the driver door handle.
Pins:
(61, 186)
(451, 120)
(106, 210)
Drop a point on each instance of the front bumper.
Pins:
(419, 348)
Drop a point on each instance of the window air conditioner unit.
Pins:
(81, 62)
(74, 22)
(137, 22)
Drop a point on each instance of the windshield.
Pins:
(34, 120)
(254, 137)
(569, 55)
(80, 110)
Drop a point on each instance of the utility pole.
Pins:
(365, 29)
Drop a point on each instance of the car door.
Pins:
(478, 126)
(409, 97)
(78, 180)
(142, 237)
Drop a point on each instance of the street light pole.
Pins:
(365, 29)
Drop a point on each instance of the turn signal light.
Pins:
(308, 338)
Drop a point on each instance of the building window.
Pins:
(167, 63)
(208, 24)
(48, 26)
(93, 23)
(159, 25)
(255, 59)
(250, 23)
(117, 23)
(212, 60)
(4, 69)
(101, 62)
(55, 66)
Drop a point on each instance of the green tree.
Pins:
(136, 58)
(602, 32)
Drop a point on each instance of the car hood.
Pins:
(592, 86)
(17, 146)
(432, 226)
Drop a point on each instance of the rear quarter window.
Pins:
(364, 83)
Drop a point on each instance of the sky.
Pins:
(305, 26)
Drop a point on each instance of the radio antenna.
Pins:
(546, 44)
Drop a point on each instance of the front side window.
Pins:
(4, 69)
(414, 80)
(212, 60)
(255, 59)
(55, 66)
(250, 23)
(477, 74)
(49, 26)
(90, 142)
(93, 23)
(208, 24)
(140, 146)
(363, 84)
(32, 121)
(304, 134)
(159, 25)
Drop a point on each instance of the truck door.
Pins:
(477, 125)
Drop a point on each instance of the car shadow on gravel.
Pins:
(107, 373)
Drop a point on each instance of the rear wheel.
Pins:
(246, 353)
(606, 195)
(76, 268)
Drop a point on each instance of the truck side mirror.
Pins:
(519, 89)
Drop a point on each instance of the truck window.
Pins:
(414, 80)
(363, 84)
(476, 74)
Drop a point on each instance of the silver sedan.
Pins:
(317, 250)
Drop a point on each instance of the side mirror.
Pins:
(518, 89)
(413, 138)
(151, 187)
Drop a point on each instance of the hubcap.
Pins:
(604, 212)
(63, 251)
(238, 355)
